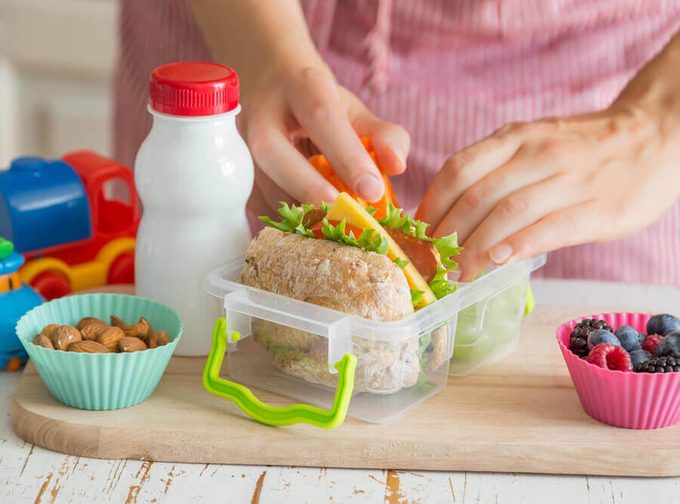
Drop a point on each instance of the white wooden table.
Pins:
(32, 474)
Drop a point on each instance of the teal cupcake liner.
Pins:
(100, 381)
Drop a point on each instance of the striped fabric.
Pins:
(451, 72)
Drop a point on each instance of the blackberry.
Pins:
(664, 364)
(578, 340)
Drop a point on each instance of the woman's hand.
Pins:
(289, 95)
(535, 187)
(305, 103)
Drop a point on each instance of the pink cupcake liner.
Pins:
(623, 399)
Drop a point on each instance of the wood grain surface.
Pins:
(519, 415)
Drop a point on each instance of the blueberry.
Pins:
(670, 345)
(602, 336)
(629, 338)
(663, 324)
(639, 356)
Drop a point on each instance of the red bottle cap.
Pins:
(193, 89)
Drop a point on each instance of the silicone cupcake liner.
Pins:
(623, 399)
(100, 381)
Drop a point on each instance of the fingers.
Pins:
(563, 228)
(480, 199)
(517, 211)
(391, 144)
(316, 104)
(285, 166)
(390, 141)
(464, 169)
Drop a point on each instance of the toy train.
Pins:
(74, 220)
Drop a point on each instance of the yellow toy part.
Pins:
(85, 275)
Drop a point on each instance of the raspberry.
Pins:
(608, 356)
(651, 342)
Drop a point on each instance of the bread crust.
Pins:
(327, 274)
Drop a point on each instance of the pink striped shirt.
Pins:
(451, 72)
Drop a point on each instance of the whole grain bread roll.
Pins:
(344, 278)
(328, 274)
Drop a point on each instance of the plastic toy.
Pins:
(69, 221)
(16, 299)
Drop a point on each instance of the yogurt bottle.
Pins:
(194, 175)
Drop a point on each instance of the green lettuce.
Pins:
(402, 263)
(291, 219)
(416, 296)
(369, 240)
(447, 246)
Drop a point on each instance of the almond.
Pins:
(49, 329)
(118, 322)
(149, 330)
(87, 346)
(64, 336)
(87, 320)
(136, 330)
(43, 341)
(110, 337)
(90, 331)
(159, 338)
(131, 344)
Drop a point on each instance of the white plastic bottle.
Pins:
(194, 175)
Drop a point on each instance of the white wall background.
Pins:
(56, 65)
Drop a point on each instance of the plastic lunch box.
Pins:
(488, 328)
(372, 370)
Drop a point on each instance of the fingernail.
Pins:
(329, 194)
(370, 187)
(501, 253)
(398, 151)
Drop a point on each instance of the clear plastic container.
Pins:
(488, 328)
(290, 347)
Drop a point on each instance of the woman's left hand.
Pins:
(535, 187)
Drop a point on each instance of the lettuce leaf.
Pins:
(369, 239)
(416, 296)
(447, 246)
(292, 221)
(292, 217)
(440, 284)
(402, 263)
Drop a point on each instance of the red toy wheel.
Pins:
(122, 270)
(51, 284)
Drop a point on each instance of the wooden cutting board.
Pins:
(518, 415)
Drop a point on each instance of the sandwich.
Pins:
(341, 257)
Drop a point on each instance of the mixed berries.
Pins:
(626, 349)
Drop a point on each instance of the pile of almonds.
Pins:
(93, 335)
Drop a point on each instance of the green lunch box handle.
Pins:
(530, 302)
(271, 415)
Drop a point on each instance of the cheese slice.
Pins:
(346, 207)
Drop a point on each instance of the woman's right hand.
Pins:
(286, 105)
